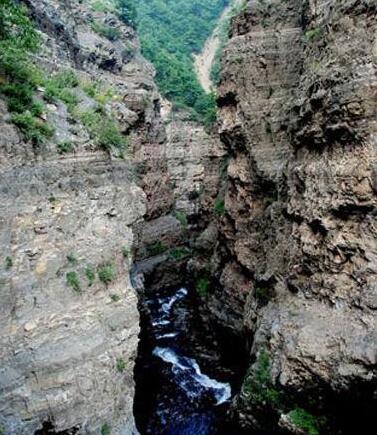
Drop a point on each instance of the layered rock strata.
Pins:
(298, 259)
(69, 317)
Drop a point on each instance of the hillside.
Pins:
(171, 31)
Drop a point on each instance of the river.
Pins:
(175, 394)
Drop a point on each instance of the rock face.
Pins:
(70, 221)
(186, 183)
(194, 158)
(299, 253)
(69, 318)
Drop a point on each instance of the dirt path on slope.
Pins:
(204, 60)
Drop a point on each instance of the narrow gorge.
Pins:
(164, 272)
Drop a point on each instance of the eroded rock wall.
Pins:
(68, 342)
(194, 160)
(298, 259)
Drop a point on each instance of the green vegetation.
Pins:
(125, 252)
(90, 88)
(171, 31)
(178, 253)
(314, 34)
(65, 147)
(182, 218)
(98, 91)
(258, 386)
(72, 258)
(120, 365)
(60, 87)
(114, 297)
(65, 79)
(18, 39)
(8, 262)
(102, 5)
(305, 421)
(219, 207)
(105, 429)
(106, 273)
(20, 79)
(102, 128)
(109, 32)
(32, 128)
(127, 12)
(73, 281)
(202, 285)
(90, 275)
(156, 249)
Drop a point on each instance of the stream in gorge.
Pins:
(174, 393)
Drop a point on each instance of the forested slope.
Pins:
(171, 31)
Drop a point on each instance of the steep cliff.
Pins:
(297, 249)
(69, 318)
(91, 173)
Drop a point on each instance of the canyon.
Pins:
(267, 218)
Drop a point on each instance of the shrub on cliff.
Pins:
(305, 421)
(258, 385)
(18, 39)
(106, 273)
(73, 281)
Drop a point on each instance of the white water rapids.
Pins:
(187, 372)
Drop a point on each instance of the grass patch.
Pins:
(106, 273)
(114, 297)
(182, 218)
(101, 6)
(18, 39)
(90, 276)
(102, 129)
(105, 429)
(258, 385)
(109, 135)
(66, 79)
(37, 108)
(219, 207)
(202, 286)
(65, 147)
(8, 262)
(156, 249)
(19, 96)
(125, 252)
(90, 88)
(178, 253)
(305, 421)
(120, 365)
(108, 32)
(314, 34)
(73, 281)
(32, 128)
(60, 87)
(72, 258)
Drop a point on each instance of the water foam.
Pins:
(190, 377)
